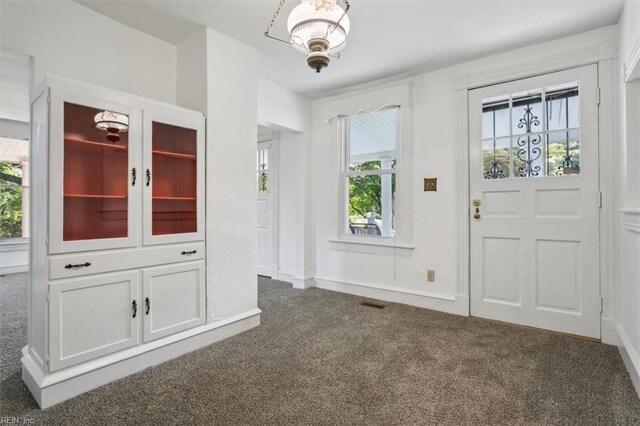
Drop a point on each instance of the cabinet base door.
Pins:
(173, 299)
(92, 317)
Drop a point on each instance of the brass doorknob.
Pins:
(476, 216)
(476, 203)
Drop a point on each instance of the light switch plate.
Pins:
(430, 184)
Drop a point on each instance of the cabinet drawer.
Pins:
(79, 264)
(93, 316)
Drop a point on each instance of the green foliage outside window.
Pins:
(556, 153)
(10, 201)
(365, 192)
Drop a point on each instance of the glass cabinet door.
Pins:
(174, 165)
(174, 176)
(93, 149)
(96, 170)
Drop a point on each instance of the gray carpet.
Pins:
(321, 358)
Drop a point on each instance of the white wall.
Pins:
(435, 214)
(280, 108)
(290, 113)
(232, 84)
(73, 41)
(629, 248)
(192, 72)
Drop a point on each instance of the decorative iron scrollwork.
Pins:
(495, 172)
(528, 145)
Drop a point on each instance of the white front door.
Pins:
(535, 202)
(265, 187)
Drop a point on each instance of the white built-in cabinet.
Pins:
(118, 241)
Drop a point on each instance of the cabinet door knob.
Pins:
(147, 302)
(133, 176)
(134, 307)
(148, 173)
(77, 265)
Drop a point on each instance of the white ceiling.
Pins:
(387, 37)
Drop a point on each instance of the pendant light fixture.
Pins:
(317, 28)
(113, 123)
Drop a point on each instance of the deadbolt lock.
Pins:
(476, 203)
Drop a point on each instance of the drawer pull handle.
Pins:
(184, 253)
(147, 302)
(134, 307)
(133, 176)
(148, 177)
(77, 265)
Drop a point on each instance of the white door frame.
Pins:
(605, 56)
(274, 168)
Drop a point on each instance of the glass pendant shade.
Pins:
(113, 123)
(318, 19)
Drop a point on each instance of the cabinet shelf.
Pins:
(117, 197)
(174, 198)
(95, 143)
(174, 154)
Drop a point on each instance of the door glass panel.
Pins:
(563, 152)
(263, 170)
(174, 153)
(544, 136)
(495, 158)
(528, 158)
(95, 174)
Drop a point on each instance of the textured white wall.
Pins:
(280, 108)
(232, 85)
(435, 221)
(73, 41)
(629, 249)
(192, 72)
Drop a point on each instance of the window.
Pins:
(369, 172)
(262, 168)
(14, 194)
(532, 134)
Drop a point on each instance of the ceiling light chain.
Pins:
(273, 20)
(317, 28)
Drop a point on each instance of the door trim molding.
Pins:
(543, 65)
(604, 56)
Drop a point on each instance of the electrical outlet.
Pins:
(431, 276)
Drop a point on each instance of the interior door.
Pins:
(265, 181)
(535, 202)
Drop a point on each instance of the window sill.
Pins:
(14, 244)
(383, 242)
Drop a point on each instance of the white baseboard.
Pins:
(61, 385)
(630, 357)
(609, 332)
(298, 282)
(458, 304)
